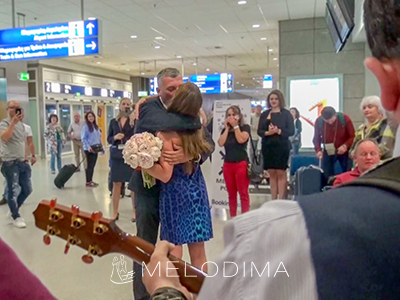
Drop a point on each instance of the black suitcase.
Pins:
(308, 180)
(65, 174)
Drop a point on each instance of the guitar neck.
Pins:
(140, 251)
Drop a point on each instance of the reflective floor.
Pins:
(66, 276)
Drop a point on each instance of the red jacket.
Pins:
(347, 176)
(326, 134)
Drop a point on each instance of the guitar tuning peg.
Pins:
(96, 216)
(75, 209)
(97, 227)
(87, 258)
(66, 249)
(47, 239)
(53, 202)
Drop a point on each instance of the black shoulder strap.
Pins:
(385, 176)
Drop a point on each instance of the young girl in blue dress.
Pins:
(184, 206)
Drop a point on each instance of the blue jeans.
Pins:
(19, 185)
(58, 155)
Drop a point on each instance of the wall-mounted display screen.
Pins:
(208, 84)
(310, 96)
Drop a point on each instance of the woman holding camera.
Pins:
(91, 140)
(234, 138)
(119, 132)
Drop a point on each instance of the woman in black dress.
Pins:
(119, 132)
(275, 128)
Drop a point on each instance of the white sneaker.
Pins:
(19, 223)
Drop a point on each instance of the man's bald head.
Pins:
(77, 117)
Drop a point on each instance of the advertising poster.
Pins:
(218, 192)
(310, 96)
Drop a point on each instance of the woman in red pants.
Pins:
(234, 138)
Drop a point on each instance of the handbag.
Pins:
(97, 148)
(255, 168)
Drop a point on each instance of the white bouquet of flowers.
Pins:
(143, 150)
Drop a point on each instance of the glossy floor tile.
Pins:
(66, 276)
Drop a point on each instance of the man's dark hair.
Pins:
(328, 112)
(382, 25)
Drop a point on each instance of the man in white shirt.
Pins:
(340, 244)
(74, 132)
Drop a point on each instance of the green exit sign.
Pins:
(23, 76)
(143, 93)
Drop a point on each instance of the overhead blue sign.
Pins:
(61, 88)
(50, 41)
(268, 83)
(214, 83)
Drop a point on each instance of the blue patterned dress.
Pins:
(184, 208)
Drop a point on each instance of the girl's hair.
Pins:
(236, 111)
(53, 116)
(120, 112)
(297, 112)
(93, 125)
(280, 96)
(188, 101)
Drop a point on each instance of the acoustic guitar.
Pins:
(101, 236)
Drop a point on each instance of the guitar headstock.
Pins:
(91, 232)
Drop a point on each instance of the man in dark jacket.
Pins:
(153, 117)
(342, 244)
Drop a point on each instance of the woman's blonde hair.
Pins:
(188, 101)
(119, 116)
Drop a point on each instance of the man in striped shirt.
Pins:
(342, 244)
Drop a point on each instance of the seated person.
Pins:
(366, 156)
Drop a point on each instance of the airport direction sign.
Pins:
(51, 41)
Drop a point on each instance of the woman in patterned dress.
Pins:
(184, 206)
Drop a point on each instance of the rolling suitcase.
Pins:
(65, 174)
(308, 180)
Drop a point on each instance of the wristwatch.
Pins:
(236, 127)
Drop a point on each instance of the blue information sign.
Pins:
(213, 83)
(268, 83)
(50, 41)
(208, 84)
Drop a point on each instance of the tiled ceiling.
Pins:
(214, 35)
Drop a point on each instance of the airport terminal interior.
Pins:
(274, 77)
